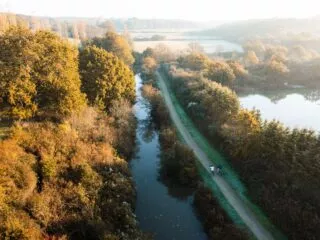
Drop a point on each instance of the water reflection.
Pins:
(160, 209)
(276, 96)
(300, 109)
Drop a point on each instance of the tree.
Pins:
(105, 78)
(300, 54)
(251, 58)
(194, 61)
(57, 75)
(149, 52)
(163, 53)
(242, 132)
(220, 72)
(149, 66)
(39, 75)
(239, 71)
(276, 51)
(255, 46)
(116, 44)
(275, 70)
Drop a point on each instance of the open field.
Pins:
(210, 46)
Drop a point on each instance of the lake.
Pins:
(301, 110)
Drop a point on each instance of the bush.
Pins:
(70, 182)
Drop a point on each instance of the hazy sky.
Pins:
(201, 10)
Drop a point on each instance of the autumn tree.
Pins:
(300, 54)
(220, 72)
(194, 61)
(275, 70)
(276, 51)
(39, 75)
(242, 132)
(163, 53)
(239, 71)
(251, 58)
(149, 66)
(105, 78)
(255, 46)
(116, 44)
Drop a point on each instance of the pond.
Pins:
(298, 109)
(161, 209)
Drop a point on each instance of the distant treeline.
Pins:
(83, 28)
(267, 29)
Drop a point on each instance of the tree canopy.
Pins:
(220, 72)
(39, 74)
(116, 44)
(105, 78)
(194, 61)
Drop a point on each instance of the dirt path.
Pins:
(230, 194)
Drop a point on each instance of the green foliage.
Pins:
(39, 75)
(212, 102)
(116, 44)
(105, 78)
(279, 165)
(216, 222)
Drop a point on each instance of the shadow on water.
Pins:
(162, 208)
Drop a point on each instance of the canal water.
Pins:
(161, 209)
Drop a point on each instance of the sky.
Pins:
(198, 10)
